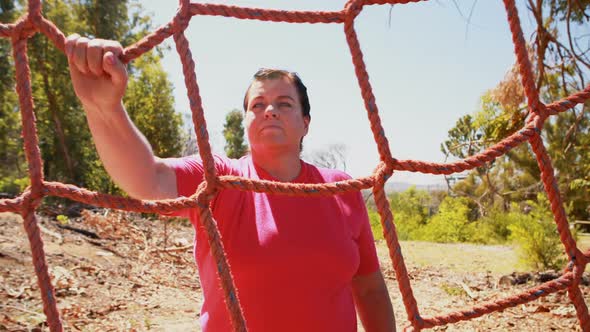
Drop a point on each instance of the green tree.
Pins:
(451, 223)
(153, 113)
(65, 141)
(13, 173)
(233, 132)
(514, 176)
(561, 64)
(536, 235)
(561, 57)
(411, 210)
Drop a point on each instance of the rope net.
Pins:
(28, 201)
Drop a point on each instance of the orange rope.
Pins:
(27, 202)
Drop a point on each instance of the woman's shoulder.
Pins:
(328, 175)
(223, 164)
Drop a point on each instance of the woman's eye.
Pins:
(257, 105)
(284, 105)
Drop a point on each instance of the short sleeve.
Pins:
(369, 262)
(190, 172)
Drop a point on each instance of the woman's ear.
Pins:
(306, 121)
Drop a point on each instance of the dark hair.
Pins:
(271, 74)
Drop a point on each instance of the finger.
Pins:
(79, 55)
(115, 68)
(94, 54)
(70, 44)
(114, 47)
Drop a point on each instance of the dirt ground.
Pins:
(115, 271)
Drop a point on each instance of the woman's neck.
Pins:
(284, 166)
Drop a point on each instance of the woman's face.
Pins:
(274, 118)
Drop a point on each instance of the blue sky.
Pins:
(427, 65)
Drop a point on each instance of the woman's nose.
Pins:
(270, 112)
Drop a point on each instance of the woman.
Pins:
(299, 264)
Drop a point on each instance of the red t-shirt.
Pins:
(292, 258)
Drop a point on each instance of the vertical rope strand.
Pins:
(42, 272)
(196, 105)
(25, 97)
(522, 57)
(366, 90)
(395, 254)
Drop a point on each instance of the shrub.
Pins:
(451, 223)
(411, 210)
(537, 237)
(408, 227)
(375, 220)
(493, 228)
(13, 186)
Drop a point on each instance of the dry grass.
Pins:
(459, 257)
(465, 257)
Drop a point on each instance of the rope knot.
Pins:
(182, 17)
(538, 121)
(184, 8)
(383, 172)
(31, 199)
(23, 29)
(179, 23)
(353, 8)
(205, 193)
